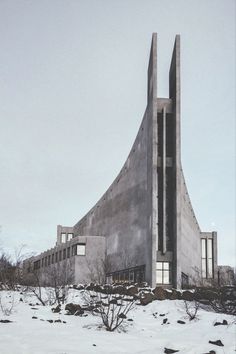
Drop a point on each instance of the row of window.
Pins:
(131, 275)
(65, 237)
(137, 274)
(75, 250)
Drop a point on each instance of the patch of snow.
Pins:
(146, 334)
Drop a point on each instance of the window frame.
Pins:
(163, 272)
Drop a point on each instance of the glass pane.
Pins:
(159, 265)
(203, 248)
(63, 237)
(159, 277)
(81, 250)
(204, 268)
(69, 236)
(166, 279)
(166, 265)
(209, 248)
(131, 276)
(210, 270)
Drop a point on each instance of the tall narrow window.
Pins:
(203, 245)
(63, 237)
(163, 273)
(209, 258)
(69, 236)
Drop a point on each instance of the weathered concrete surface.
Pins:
(146, 215)
(75, 268)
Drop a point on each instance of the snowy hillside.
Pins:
(147, 329)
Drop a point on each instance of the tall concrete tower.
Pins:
(146, 215)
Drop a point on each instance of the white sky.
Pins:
(73, 93)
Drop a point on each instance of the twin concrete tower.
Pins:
(146, 214)
(144, 228)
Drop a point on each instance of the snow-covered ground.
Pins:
(146, 334)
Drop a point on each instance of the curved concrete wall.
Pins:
(125, 212)
(122, 213)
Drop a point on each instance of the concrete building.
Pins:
(144, 228)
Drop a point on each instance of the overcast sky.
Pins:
(72, 95)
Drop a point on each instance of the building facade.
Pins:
(143, 228)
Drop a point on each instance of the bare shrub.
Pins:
(10, 268)
(59, 276)
(191, 308)
(7, 306)
(225, 301)
(111, 308)
(50, 286)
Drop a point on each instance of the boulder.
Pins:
(56, 309)
(216, 342)
(170, 351)
(224, 323)
(187, 295)
(159, 293)
(146, 298)
(90, 287)
(132, 290)
(174, 295)
(122, 315)
(74, 309)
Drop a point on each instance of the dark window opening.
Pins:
(184, 281)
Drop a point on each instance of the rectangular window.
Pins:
(36, 265)
(63, 237)
(53, 258)
(68, 252)
(74, 247)
(209, 258)
(80, 251)
(163, 273)
(60, 253)
(49, 260)
(121, 276)
(69, 236)
(64, 253)
(56, 257)
(184, 281)
(203, 247)
(131, 276)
